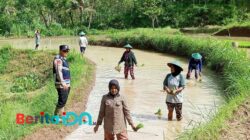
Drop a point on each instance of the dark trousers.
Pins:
(62, 97)
(178, 110)
(82, 49)
(37, 45)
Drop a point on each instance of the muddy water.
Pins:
(143, 94)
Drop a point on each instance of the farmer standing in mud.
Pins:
(195, 63)
(62, 78)
(83, 42)
(115, 112)
(173, 84)
(129, 58)
(37, 38)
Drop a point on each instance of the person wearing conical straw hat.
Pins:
(129, 58)
(195, 63)
(173, 84)
(83, 42)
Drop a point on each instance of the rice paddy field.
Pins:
(231, 64)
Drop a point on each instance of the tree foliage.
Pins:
(54, 17)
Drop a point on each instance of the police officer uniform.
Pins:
(61, 74)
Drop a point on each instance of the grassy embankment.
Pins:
(27, 86)
(232, 67)
(238, 29)
(242, 44)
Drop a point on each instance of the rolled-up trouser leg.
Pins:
(178, 111)
(126, 69)
(131, 69)
(170, 110)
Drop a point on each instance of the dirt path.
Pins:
(239, 125)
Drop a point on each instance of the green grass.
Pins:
(32, 103)
(204, 30)
(212, 128)
(238, 24)
(166, 30)
(28, 82)
(4, 57)
(232, 65)
(23, 70)
(242, 44)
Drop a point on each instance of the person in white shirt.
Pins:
(174, 85)
(83, 42)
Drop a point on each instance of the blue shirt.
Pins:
(195, 64)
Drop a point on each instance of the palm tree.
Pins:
(81, 7)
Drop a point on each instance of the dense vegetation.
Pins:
(67, 17)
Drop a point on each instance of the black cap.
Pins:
(63, 47)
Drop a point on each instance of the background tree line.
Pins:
(56, 17)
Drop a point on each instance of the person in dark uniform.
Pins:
(62, 78)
